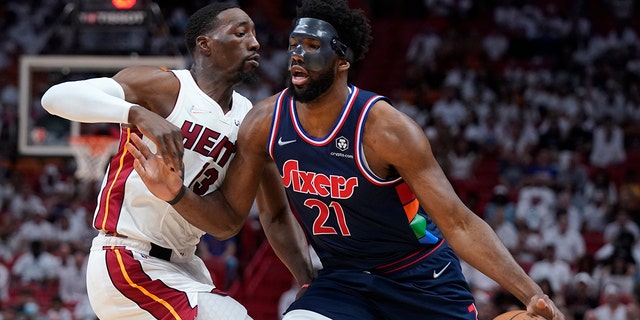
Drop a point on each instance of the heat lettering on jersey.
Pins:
(207, 142)
(336, 187)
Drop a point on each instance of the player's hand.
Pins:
(164, 182)
(165, 135)
(543, 306)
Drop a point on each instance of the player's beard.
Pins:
(249, 77)
(314, 88)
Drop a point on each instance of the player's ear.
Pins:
(202, 44)
(343, 65)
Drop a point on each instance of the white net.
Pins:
(92, 153)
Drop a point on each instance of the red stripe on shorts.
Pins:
(154, 296)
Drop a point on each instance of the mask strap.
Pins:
(342, 49)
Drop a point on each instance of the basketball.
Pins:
(517, 315)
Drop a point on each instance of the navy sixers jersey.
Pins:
(353, 218)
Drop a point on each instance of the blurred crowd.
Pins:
(532, 109)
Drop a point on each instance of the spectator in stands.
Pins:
(608, 145)
(77, 214)
(565, 202)
(449, 109)
(64, 231)
(518, 138)
(633, 307)
(596, 211)
(611, 308)
(622, 223)
(9, 245)
(629, 192)
(551, 133)
(25, 200)
(568, 242)
(573, 176)
(512, 170)
(35, 226)
(36, 265)
(58, 311)
(495, 44)
(556, 271)
(462, 161)
(618, 269)
(5, 282)
(73, 286)
(50, 180)
(83, 310)
(601, 183)
(500, 203)
(529, 245)
(535, 203)
(27, 307)
(544, 166)
(581, 295)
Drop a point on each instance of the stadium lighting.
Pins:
(123, 4)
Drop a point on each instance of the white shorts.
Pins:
(124, 282)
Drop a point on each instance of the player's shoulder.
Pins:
(146, 70)
(384, 114)
(266, 105)
(391, 127)
(144, 74)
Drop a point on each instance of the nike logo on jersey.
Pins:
(284, 143)
(437, 274)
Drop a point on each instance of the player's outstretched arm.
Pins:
(140, 96)
(395, 141)
(210, 213)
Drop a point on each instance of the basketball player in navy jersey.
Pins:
(361, 178)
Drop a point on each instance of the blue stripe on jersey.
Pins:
(353, 218)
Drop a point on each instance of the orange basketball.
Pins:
(517, 315)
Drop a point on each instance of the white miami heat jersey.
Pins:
(127, 208)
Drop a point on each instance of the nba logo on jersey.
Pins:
(342, 143)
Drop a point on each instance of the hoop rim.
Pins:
(97, 144)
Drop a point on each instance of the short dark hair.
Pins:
(204, 20)
(352, 25)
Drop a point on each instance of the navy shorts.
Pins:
(431, 288)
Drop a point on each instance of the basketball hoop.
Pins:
(92, 152)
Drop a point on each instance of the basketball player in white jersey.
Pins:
(142, 263)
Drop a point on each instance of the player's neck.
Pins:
(319, 116)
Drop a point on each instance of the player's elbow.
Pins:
(53, 98)
(229, 231)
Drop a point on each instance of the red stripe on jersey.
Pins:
(112, 195)
(154, 296)
(408, 199)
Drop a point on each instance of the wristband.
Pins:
(179, 196)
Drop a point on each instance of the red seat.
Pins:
(593, 240)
